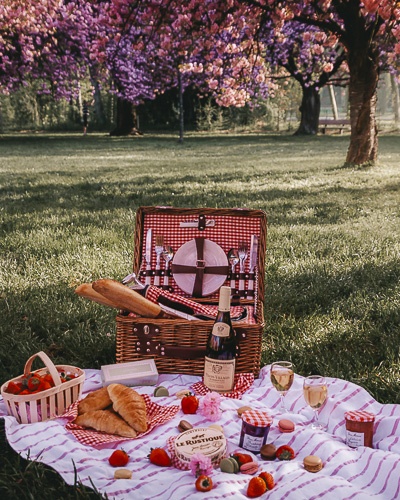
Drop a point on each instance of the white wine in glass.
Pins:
(282, 376)
(315, 392)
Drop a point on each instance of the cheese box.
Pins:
(142, 372)
(208, 441)
(200, 243)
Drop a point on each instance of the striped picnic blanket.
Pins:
(361, 473)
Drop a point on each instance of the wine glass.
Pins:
(282, 376)
(315, 393)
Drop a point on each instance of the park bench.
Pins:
(332, 124)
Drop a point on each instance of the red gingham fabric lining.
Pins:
(156, 415)
(227, 233)
(154, 292)
(243, 381)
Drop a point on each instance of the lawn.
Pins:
(332, 269)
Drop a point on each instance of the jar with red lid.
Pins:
(359, 428)
(255, 429)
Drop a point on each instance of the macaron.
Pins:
(123, 474)
(249, 468)
(229, 465)
(242, 409)
(312, 463)
(285, 425)
(180, 394)
(217, 427)
(160, 392)
(184, 425)
(268, 451)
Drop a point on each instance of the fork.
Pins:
(243, 252)
(159, 248)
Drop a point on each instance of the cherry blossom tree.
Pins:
(369, 30)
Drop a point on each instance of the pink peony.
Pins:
(210, 406)
(200, 465)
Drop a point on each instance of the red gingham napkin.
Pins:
(243, 381)
(174, 459)
(153, 293)
(156, 415)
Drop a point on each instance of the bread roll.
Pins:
(130, 405)
(105, 421)
(96, 400)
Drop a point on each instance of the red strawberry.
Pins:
(204, 483)
(118, 458)
(285, 452)
(256, 487)
(33, 383)
(269, 480)
(158, 456)
(189, 403)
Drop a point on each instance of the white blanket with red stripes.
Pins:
(361, 473)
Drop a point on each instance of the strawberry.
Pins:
(189, 403)
(118, 458)
(242, 458)
(285, 452)
(269, 480)
(33, 383)
(204, 483)
(158, 456)
(14, 387)
(256, 487)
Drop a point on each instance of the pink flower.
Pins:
(210, 406)
(200, 465)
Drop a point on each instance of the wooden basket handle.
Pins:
(47, 362)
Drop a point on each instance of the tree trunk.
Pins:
(364, 75)
(395, 100)
(98, 104)
(309, 109)
(181, 117)
(125, 119)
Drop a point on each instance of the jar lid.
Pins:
(257, 418)
(359, 416)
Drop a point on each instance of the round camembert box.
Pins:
(208, 441)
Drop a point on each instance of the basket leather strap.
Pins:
(146, 344)
(199, 269)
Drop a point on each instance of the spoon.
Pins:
(167, 254)
(233, 259)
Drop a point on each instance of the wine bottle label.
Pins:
(221, 330)
(219, 374)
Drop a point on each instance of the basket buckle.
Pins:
(200, 264)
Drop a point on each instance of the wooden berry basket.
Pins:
(47, 404)
(178, 345)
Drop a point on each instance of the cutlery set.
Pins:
(162, 251)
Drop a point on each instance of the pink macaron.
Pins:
(249, 468)
(286, 425)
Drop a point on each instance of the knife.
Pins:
(253, 259)
(147, 256)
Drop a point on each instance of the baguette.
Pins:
(106, 421)
(127, 299)
(130, 405)
(86, 290)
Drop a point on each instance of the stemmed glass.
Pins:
(282, 376)
(315, 393)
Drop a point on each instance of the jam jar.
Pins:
(359, 428)
(255, 428)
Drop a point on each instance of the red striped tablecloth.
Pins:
(361, 473)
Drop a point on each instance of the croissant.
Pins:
(96, 400)
(106, 421)
(130, 405)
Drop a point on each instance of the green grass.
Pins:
(332, 272)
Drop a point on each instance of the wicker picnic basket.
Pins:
(49, 403)
(178, 345)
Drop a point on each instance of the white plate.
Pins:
(213, 255)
